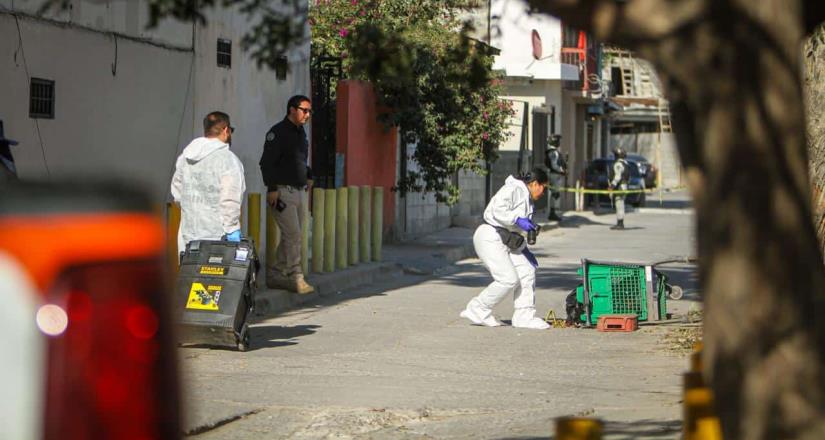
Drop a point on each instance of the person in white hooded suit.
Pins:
(500, 245)
(209, 185)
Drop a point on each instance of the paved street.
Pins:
(394, 360)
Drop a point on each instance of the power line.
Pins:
(29, 78)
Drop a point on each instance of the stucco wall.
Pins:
(132, 124)
(127, 125)
(369, 148)
(123, 17)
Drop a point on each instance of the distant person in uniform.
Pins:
(209, 185)
(619, 175)
(558, 170)
(8, 172)
(287, 177)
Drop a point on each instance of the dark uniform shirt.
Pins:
(284, 161)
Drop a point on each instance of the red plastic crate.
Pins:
(617, 323)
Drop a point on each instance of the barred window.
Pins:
(281, 68)
(41, 98)
(224, 53)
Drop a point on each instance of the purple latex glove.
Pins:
(526, 224)
(530, 257)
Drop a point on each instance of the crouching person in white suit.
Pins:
(503, 250)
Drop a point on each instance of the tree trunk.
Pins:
(731, 69)
(814, 97)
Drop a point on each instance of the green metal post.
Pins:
(329, 229)
(366, 217)
(341, 229)
(317, 230)
(354, 193)
(377, 222)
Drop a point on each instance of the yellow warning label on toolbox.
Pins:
(204, 298)
(212, 270)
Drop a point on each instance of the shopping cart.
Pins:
(610, 287)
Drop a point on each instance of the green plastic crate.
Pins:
(621, 288)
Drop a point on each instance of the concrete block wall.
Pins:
(472, 200)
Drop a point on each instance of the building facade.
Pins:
(553, 80)
(92, 91)
(642, 123)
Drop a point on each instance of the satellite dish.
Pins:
(537, 50)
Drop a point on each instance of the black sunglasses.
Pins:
(305, 110)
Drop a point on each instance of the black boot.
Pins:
(619, 225)
(553, 216)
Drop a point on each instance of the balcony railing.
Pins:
(584, 56)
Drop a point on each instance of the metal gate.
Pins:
(325, 71)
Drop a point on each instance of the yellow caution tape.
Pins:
(607, 191)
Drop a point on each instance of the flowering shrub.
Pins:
(436, 81)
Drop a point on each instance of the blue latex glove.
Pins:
(234, 236)
(526, 224)
(530, 257)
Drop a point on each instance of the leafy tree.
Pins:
(435, 83)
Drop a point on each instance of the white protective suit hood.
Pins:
(509, 203)
(209, 185)
(201, 147)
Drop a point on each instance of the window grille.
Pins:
(224, 53)
(41, 98)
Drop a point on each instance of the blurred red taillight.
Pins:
(108, 376)
(94, 254)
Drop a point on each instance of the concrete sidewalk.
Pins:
(426, 255)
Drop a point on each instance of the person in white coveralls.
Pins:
(501, 245)
(209, 185)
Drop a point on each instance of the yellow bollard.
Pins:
(366, 217)
(578, 428)
(305, 238)
(354, 225)
(271, 238)
(330, 203)
(172, 226)
(253, 222)
(377, 222)
(700, 420)
(317, 230)
(341, 229)
(696, 358)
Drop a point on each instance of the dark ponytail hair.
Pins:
(536, 174)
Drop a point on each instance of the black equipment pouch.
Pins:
(510, 239)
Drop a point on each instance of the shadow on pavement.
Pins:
(637, 430)
(269, 336)
(642, 429)
(577, 221)
(265, 336)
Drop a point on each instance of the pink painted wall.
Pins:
(369, 148)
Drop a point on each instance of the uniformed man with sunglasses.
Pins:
(287, 177)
